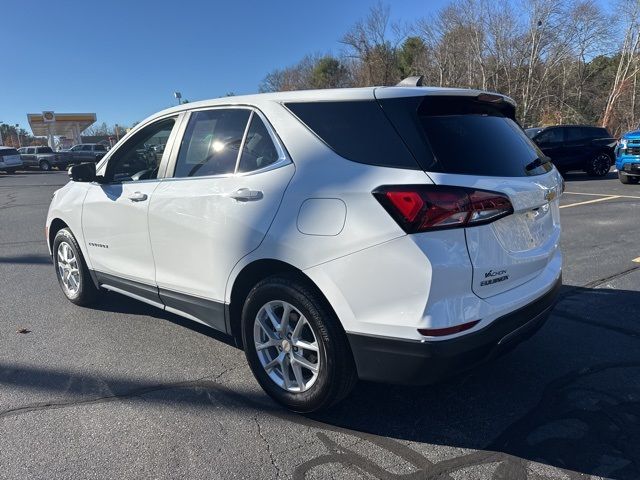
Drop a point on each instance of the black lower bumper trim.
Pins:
(392, 360)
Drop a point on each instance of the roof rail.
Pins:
(414, 81)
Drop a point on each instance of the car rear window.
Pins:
(466, 135)
(8, 151)
(356, 130)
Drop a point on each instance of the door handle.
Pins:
(246, 195)
(138, 197)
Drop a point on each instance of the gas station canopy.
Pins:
(51, 124)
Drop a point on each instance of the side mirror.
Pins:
(84, 172)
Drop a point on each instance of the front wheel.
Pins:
(599, 166)
(295, 346)
(627, 179)
(44, 166)
(71, 269)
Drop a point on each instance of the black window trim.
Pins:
(283, 155)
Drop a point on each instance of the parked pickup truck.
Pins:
(87, 152)
(44, 158)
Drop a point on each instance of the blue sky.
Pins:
(123, 59)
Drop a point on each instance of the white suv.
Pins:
(395, 234)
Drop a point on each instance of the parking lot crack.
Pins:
(269, 451)
(107, 398)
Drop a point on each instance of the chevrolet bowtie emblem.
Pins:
(550, 194)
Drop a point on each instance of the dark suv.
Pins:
(576, 147)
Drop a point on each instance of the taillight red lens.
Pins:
(419, 208)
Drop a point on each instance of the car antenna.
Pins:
(414, 81)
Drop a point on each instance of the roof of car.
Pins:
(324, 95)
(4, 147)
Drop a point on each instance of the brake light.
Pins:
(420, 208)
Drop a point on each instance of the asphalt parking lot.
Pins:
(128, 391)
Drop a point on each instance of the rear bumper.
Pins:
(399, 361)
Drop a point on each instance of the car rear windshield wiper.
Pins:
(538, 162)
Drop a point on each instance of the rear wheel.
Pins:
(295, 346)
(71, 269)
(44, 165)
(599, 165)
(628, 179)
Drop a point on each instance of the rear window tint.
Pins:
(356, 130)
(45, 150)
(468, 136)
(8, 151)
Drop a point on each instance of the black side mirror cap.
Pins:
(84, 172)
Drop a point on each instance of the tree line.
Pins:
(562, 61)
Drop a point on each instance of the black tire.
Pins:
(337, 373)
(599, 165)
(628, 179)
(87, 293)
(44, 165)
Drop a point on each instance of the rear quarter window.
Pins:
(5, 152)
(356, 130)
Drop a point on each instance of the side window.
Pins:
(211, 143)
(553, 135)
(86, 148)
(137, 159)
(75, 148)
(100, 148)
(578, 134)
(258, 150)
(31, 151)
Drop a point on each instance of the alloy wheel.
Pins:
(286, 346)
(600, 165)
(68, 269)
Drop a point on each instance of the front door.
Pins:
(227, 184)
(114, 215)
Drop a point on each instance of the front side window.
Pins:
(211, 143)
(136, 159)
(75, 148)
(100, 148)
(86, 148)
(258, 150)
(553, 135)
(31, 151)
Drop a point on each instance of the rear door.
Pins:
(478, 144)
(578, 147)
(29, 157)
(228, 181)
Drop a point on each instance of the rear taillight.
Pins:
(420, 208)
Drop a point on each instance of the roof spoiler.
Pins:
(414, 81)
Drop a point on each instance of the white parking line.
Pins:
(601, 195)
(611, 197)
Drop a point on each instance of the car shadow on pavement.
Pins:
(582, 176)
(27, 259)
(568, 398)
(116, 303)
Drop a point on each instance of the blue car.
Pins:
(628, 157)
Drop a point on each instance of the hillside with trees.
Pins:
(562, 61)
